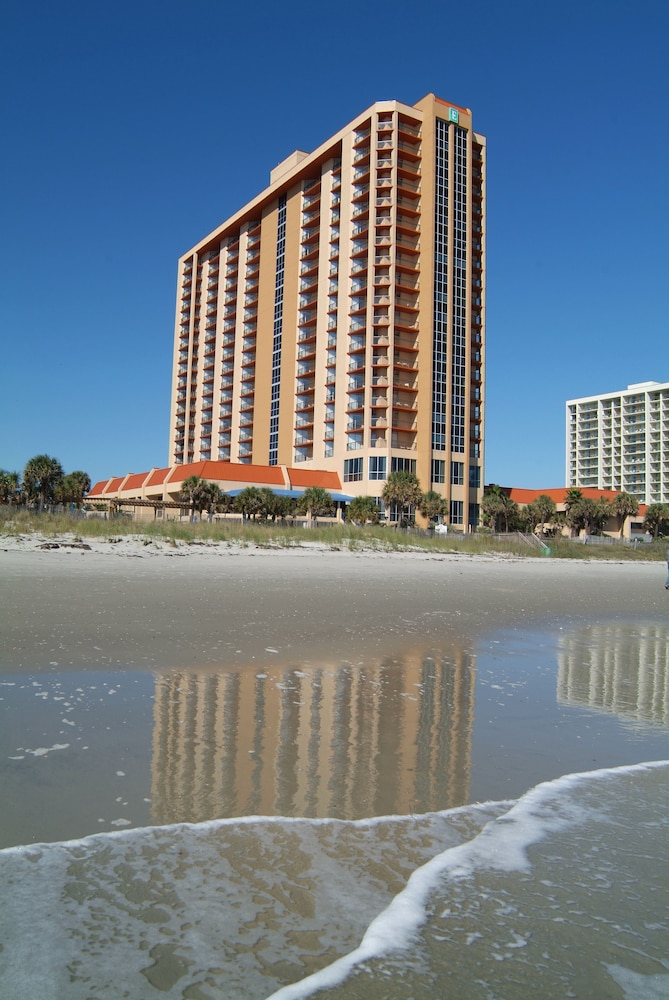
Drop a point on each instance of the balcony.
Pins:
(409, 129)
(310, 282)
(307, 352)
(404, 441)
(407, 284)
(309, 235)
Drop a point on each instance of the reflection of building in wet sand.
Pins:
(346, 741)
(617, 667)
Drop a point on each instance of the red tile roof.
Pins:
(303, 478)
(523, 496)
(558, 495)
(135, 481)
(157, 477)
(98, 489)
(228, 472)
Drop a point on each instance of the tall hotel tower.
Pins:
(338, 319)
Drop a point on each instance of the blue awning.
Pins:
(293, 494)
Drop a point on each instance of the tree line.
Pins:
(44, 482)
(500, 513)
(401, 490)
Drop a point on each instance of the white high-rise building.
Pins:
(620, 441)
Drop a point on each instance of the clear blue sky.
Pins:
(130, 130)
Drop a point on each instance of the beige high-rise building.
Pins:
(338, 319)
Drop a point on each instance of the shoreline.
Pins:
(142, 689)
(156, 605)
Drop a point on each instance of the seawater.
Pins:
(464, 822)
(562, 893)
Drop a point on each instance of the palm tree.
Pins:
(41, 478)
(545, 507)
(363, 509)
(587, 515)
(432, 505)
(316, 502)
(625, 505)
(656, 519)
(10, 487)
(572, 497)
(497, 508)
(275, 505)
(402, 490)
(197, 492)
(74, 487)
(492, 506)
(250, 502)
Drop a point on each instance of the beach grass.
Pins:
(339, 536)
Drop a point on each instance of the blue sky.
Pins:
(130, 130)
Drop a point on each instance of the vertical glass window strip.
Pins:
(438, 470)
(278, 331)
(440, 323)
(377, 467)
(459, 313)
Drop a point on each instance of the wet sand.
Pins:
(144, 685)
(130, 605)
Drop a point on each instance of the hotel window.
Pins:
(403, 465)
(377, 467)
(438, 470)
(456, 511)
(352, 470)
(475, 477)
(457, 473)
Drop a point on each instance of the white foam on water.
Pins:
(640, 987)
(234, 908)
(239, 903)
(501, 846)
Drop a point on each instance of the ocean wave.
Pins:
(256, 906)
(580, 807)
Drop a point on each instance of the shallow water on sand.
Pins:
(244, 907)
(84, 752)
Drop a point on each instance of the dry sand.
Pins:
(155, 605)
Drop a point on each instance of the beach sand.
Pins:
(338, 716)
(127, 603)
(152, 684)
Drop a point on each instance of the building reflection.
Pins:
(616, 668)
(340, 741)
